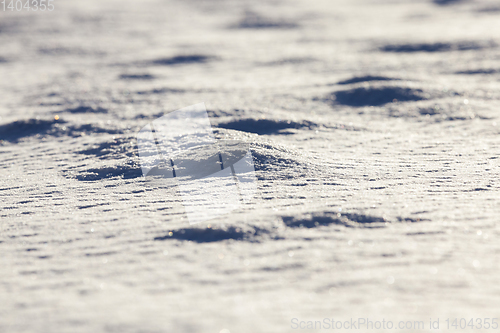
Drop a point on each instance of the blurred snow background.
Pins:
(374, 131)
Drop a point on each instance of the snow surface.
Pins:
(373, 127)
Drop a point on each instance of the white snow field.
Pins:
(373, 128)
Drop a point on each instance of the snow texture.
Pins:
(374, 132)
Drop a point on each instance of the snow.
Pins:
(373, 131)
